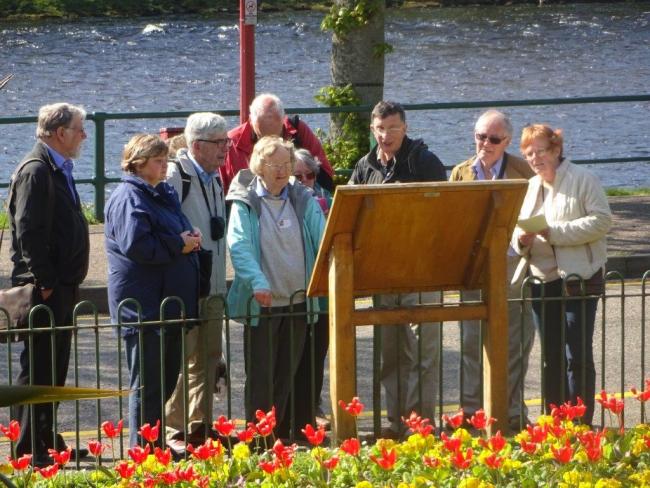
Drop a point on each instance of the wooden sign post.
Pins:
(417, 237)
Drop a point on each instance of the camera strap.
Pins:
(205, 197)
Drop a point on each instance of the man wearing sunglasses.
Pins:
(409, 352)
(492, 135)
(195, 176)
(267, 118)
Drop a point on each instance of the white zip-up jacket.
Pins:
(578, 223)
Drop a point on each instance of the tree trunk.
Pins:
(357, 61)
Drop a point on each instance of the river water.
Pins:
(440, 55)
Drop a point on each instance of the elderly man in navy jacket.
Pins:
(50, 248)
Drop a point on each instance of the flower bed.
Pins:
(556, 451)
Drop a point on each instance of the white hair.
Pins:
(202, 125)
(260, 105)
(491, 115)
(51, 117)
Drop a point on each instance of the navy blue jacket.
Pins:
(145, 260)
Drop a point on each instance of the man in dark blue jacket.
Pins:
(50, 248)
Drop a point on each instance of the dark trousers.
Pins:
(146, 402)
(578, 377)
(47, 370)
(273, 351)
(311, 370)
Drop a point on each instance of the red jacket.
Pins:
(242, 148)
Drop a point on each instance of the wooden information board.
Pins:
(411, 237)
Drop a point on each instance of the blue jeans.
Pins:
(569, 370)
(147, 405)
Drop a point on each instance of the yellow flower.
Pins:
(6, 469)
(608, 483)
(510, 465)
(463, 435)
(474, 483)
(363, 484)
(642, 478)
(638, 446)
(151, 465)
(240, 451)
(545, 420)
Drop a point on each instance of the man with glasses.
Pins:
(410, 353)
(492, 135)
(267, 118)
(194, 174)
(49, 248)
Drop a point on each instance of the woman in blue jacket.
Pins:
(150, 246)
(274, 231)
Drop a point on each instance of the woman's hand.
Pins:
(191, 242)
(526, 239)
(263, 297)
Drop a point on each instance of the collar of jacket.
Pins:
(244, 137)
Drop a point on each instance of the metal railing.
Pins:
(100, 180)
(96, 360)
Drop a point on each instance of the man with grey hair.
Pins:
(49, 248)
(492, 135)
(195, 177)
(267, 118)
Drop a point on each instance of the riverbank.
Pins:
(74, 9)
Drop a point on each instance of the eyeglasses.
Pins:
(80, 130)
(383, 132)
(493, 139)
(529, 155)
(278, 167)
(307, 176)
(220, 143)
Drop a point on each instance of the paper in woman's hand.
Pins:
(534, 224)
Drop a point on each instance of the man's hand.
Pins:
(190, 242)
(263, 297)
(46, 293)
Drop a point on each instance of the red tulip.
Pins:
(611, 403)
(496, 442)
(266, 422)
(646, 439)
(163, 457)
(494, 461)
(431, 462)
(452, 444)
(284, 454)
(354, 408)
(125, 469)
(138, 454)
(418, 425)
(269, 466)
(568, 411)
(330, 463)
(351, 446)
(205, 451)
(480, 421)
(49, 471)
(592, 443)
(537, 433)
(642, 396)
(187, 474)
(564, 454)
(462, 461)
(111, 430)
(148, 433)
(12, 431)
(528, 447)
(21, 463)
(224, 426)
(387, 459)
(168, 477)
(247, 434)
(96, 448)
(455, 420)
(315, 437)
(60, 457)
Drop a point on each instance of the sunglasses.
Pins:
(493, 139)
(307, 176)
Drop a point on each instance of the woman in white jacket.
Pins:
(571, 246)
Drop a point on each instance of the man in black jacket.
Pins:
(50, 248)
(410, 354)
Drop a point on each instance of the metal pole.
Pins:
(247, 21)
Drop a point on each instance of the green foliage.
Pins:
(352, 143)
(381, 49)
(627, 192)
(342, 19)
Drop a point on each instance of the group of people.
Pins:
(263, 189)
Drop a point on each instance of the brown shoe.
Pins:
(388, 433)
(323, 422)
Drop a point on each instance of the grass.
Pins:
(87, 208)
(627, 192)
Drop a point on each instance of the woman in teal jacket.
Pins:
(274, 231)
